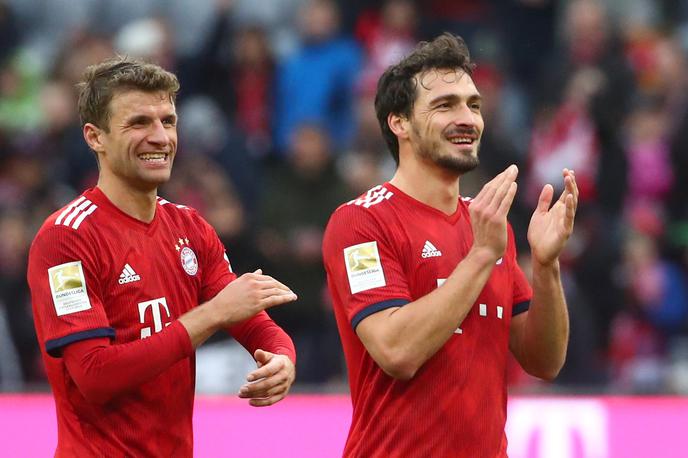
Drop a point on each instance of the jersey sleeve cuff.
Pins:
(54, 346)
(520, 308)
(374, 308)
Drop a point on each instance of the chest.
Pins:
(431, 252)
(147, 279)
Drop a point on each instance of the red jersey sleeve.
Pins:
(364, 268)
(65, 289)
(217, 270)
(257, 332)
(97, 367)
(261, 332)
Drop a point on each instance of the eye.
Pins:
(169, 122)
(443, 106)
(475, 106)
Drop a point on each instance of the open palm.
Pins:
(550, 228)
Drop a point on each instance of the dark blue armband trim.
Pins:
(520, 308)
(374, 308)
(54, 346)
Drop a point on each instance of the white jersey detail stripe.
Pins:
(81, 207)
(69, 208)
(83, 216)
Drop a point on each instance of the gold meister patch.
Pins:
(68, 288)
(363, 267)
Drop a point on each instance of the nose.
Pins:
(158, 135)
(464, 116)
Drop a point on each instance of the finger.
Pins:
(269, 369)
(267, 401)
(545, 198)
(504, 188)
(575, 190)
(487, 192)
(262, 356)
(275, 300)
(568, 187)
(570, 212)
(264, 388)
(268, 281)
(274, 292)
(505, 205)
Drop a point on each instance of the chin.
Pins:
(459, 165)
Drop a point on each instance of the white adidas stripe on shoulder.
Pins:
(162, 202)
(373, 197)
(75, 213)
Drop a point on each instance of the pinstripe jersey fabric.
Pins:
(386, 249)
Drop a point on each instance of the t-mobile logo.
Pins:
(155, 306)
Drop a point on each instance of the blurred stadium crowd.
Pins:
(277, 128)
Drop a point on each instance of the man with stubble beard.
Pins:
(427, 291)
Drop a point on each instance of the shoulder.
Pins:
(369, 205)
(77, 215)
(367, 216)
(68, 225)
(179, 211)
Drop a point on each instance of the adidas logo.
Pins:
(429, 250)
(128, 275)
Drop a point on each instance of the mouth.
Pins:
(154, 158)
(463, 141)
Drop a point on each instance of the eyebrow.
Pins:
(453, 98)
(142, 118)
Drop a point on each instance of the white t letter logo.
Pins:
(155, 305)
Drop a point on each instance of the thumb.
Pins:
(262, 357)
(545, 198)
(258, 271)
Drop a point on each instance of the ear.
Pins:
(93, 137)
(399, 125)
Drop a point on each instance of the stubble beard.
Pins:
(458, 164)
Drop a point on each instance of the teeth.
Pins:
(156, 157)
(462, 140)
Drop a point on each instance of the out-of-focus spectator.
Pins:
(316, 84)
(237, 70)
(387, 35)
(657, 313)
(297, 202)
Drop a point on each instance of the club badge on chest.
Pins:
(187, 256)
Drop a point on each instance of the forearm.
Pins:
(260, 332)
(200, 323)
(546, 334)
(402, 339)
(102, 371)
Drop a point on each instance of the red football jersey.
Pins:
(386, 249)
(94, 271)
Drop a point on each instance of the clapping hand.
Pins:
(550, 228)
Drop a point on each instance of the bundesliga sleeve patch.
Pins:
(363, 267)
(68, 287)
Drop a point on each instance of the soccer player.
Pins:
(427, 292)
(125, 285)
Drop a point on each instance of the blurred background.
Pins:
(277, 128)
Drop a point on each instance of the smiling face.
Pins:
(139, 147)
(446, 123)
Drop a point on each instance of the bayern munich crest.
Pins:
(187, 257)
(189, 261)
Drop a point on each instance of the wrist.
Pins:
(482, 256)
(543, 267)
(213, 314)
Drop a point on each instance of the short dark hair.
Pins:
(397, 87)
(102, 81)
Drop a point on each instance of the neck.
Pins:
(428, 183)
(139, 204)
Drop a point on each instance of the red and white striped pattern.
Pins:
(75, 213)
